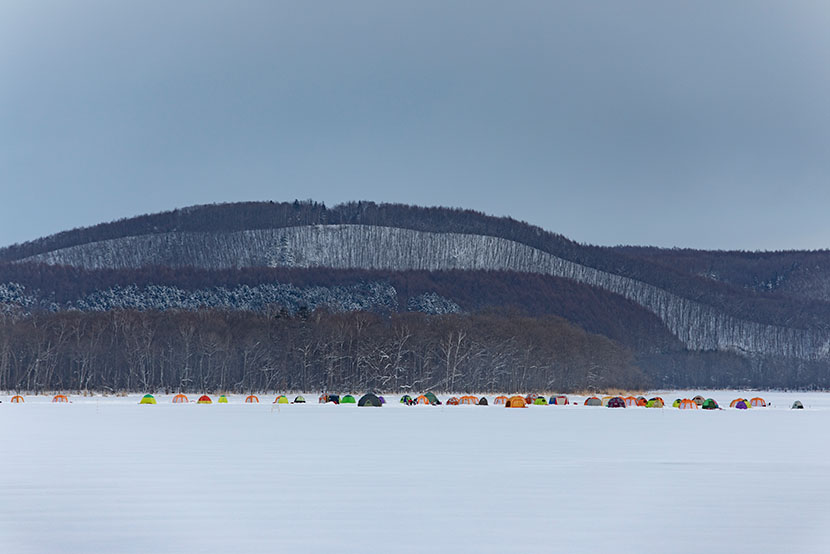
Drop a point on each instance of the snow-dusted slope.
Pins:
(698, 326)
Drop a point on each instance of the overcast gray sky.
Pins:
(700, 124)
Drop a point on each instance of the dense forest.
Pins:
(218, 350)
(673, 317)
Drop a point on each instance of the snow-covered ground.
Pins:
(107, 475)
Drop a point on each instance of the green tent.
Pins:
(432, 398)
(676, 403)
(348, 399)
(710, 404)
(406, 399)
(540, 402)
(369, 399)
(281, 399)
(299, 400)
(147, 399)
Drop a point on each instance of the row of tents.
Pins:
(428, 398)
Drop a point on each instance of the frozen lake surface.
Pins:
(108, 475)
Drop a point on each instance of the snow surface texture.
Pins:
(698, 326)
(108, 475)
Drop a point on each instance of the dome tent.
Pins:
(710, 404)
(687, 404)
(223, 399)
(251, 399)
(326, 398)
(369, 399)
(797, 405)
(758, 402)
(656, 402)
(593, 401)
(483, 401)
(406, 399)
(180, 399)
(60, 398)
(453, 401)
(147, 399)
(499, 400)
(467, 400)
(616, 402)
(516, 402)
(699, 400)
(299, 400)
(281, 399)
(540, 401)
(560, 400)
(434, 399)
(17, 399)
(204, 399)
(739, 403)
(630, 401)
(348, 399)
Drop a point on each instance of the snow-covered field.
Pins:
(107, 475)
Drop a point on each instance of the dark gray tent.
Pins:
(483, 401)
(369, 399)
(797, 405)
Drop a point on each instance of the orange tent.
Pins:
(758, 402)
(687, 404)
(60, 398)
(17, 399)
(735, 402)
(642, 402)
(251, 399)
(422, 400)
(516, 402)
(180, 399)
(471, 400)
(204, 399)
(630, 401)
(500, 400)
(452, 401)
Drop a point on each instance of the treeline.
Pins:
(211, 350)
(591, 308)
(728, 295)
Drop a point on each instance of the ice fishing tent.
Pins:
(515, 402)
(281, 399)
(758, 402)
(453, 401)
(605, 400)
(698, 400)
(204, 399)
(739, 403)
(326, 398)
(630, 401)
(499, 400)
(656, 402)
(593, 401)
(147, 399)
(641, 401)
(433, 399)
(369, 399)
(560, 400)
(299, 400)
(710, 404)
(676, 403)
(687, 404)
(616, 402)
(540, 401)
(223, 399)
(797, 405)
(348, 399)
(180, 399)
(60, 398)
(406, 399)
(422, 400)
(251, 399)
(17, 399)
(468, 400)
(482, 401)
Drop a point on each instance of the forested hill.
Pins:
(758, 312)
